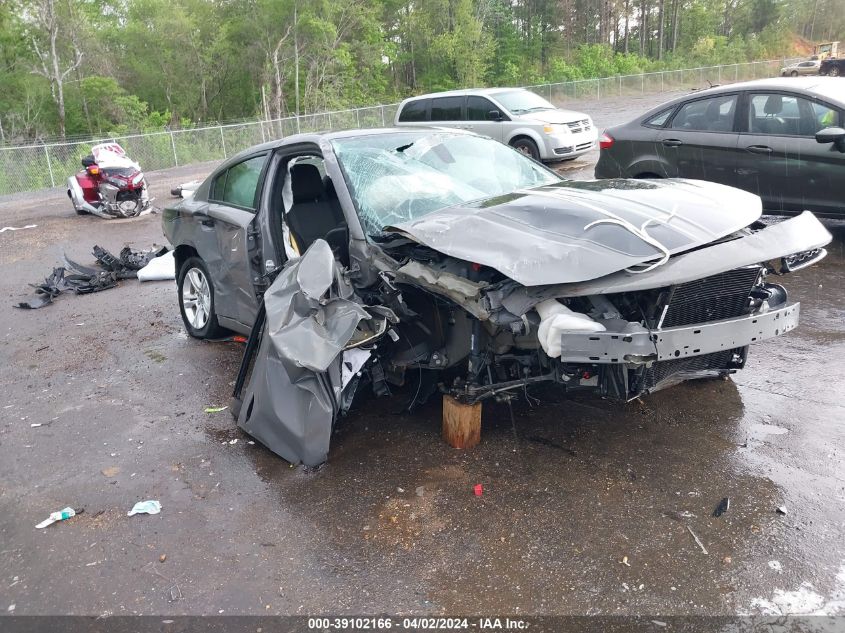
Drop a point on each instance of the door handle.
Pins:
(672, 142)
(759, 149)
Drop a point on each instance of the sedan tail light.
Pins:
(606, 141)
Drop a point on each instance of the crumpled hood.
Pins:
(574, 231)
(553, 117)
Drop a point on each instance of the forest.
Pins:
(77, 68)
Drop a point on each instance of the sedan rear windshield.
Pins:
(395, 178)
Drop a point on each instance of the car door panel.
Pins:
(228, 231)
(478, 121)
(700, 141)
(780, 159)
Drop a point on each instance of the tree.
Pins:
(52, 38)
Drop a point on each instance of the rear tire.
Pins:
(196, 300)
(527, 147)
(834, 71)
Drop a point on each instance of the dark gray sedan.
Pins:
(782, 139)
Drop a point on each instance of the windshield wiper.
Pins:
(402, 148)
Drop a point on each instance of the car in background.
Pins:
(833, 67)
(781, 139)
(808, 67)
(514, 116)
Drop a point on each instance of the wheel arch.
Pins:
(182, 253)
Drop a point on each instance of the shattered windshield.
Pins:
(395, 178)
(522, 101)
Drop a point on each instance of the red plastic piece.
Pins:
(478, 489)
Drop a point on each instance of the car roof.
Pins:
(465, 91)
(315, 138)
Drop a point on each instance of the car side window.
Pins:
(788, 115)
(659, 119)
(415, 111)
(478, 107)
(706, 115)
(447, 108)
(238, 184)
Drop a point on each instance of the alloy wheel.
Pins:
(196, 298)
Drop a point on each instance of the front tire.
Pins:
(527, 147)
(794, 73)
(196, 299)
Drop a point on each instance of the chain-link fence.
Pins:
(34, 167)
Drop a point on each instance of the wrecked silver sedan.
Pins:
(451, 263)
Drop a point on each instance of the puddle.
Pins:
(760, 429)
(804, 600)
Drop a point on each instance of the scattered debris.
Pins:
(658, 623)
(54, 517)
(17, 228)
(234, 441)
(11, 608)
(162, 558)
(727, 560)
(724, 506)
(400, 490)
(215, 409)
(111, 471)
(775, 565)
(679, 516)
(73, 277)
(781, 510)
(700, 544)
(478, 489)
(420, 491)
(145, 507)
(625, 562)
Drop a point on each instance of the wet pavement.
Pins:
(589, 507)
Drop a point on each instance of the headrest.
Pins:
(774, 104)
(306, 182)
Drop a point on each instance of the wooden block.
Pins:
(461, 423)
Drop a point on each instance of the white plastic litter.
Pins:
(556, 318)
(187, 189)
(145, 507)
(54, 517)
(159, 268)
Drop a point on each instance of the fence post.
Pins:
(223, 141)
(357, 118)
(620, 85)
(263, 137)
(49, 167)
(173, 145)
(642, 83)
(720, 73)
(382, 116)
(662, 83)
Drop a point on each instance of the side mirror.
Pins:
(835, 135)
(494, 115)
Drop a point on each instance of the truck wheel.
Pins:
(196, 299)
(527, 147)
(834, 71)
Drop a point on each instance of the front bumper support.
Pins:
(679, 342)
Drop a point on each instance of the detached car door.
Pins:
(228, 240)
(780, 159)
(700, 140)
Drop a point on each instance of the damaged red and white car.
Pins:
(449, 262)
